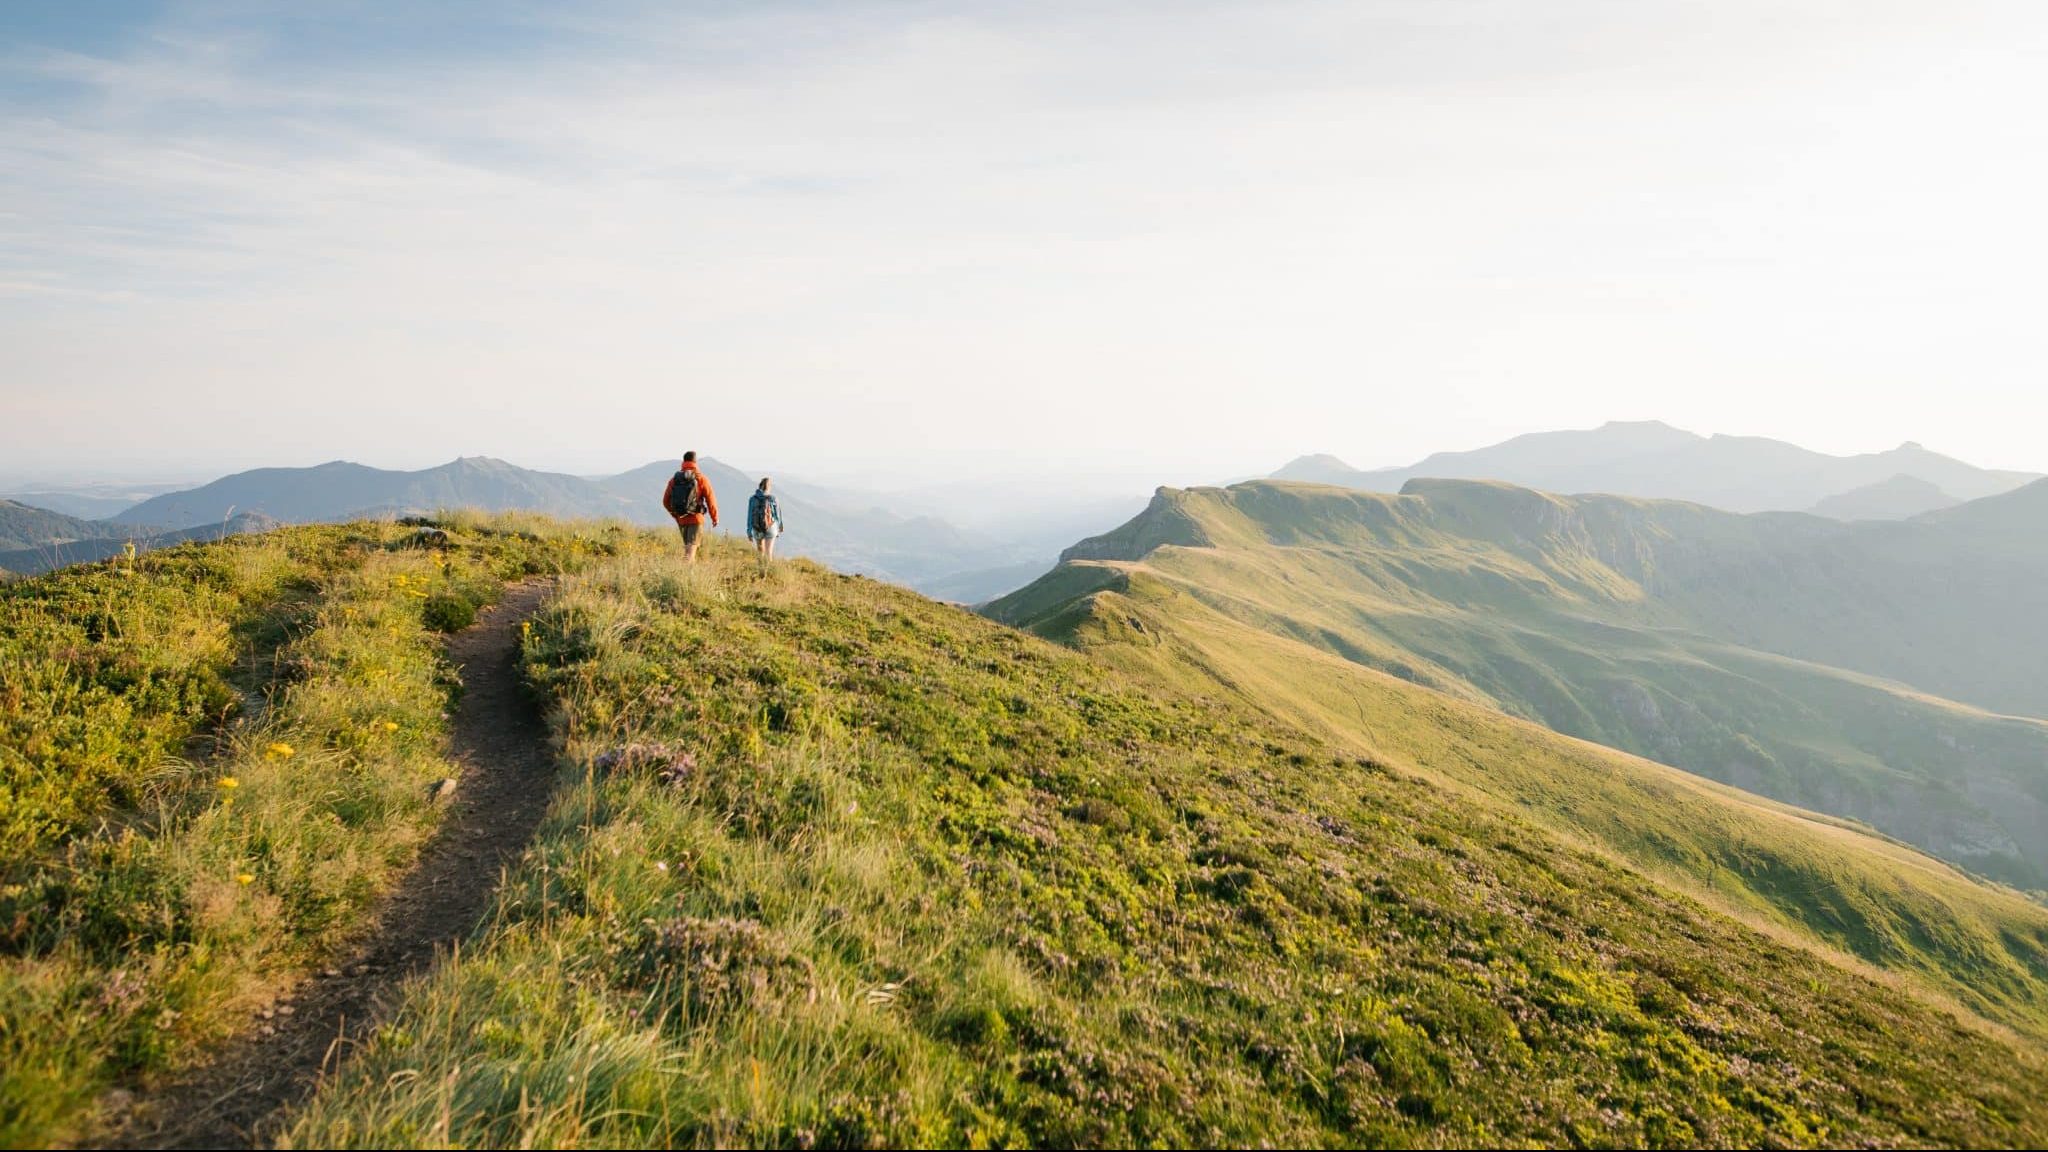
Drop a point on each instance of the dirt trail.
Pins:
(245, 1095)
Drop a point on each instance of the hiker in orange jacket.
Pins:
(689, 499)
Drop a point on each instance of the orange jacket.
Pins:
(704, 486)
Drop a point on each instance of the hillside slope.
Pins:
(831, 864)
(24, 527)
(1654, 460)
(1899, 498)
(1645, 626)
(828, 863)
(1825, 877)
(213, 760)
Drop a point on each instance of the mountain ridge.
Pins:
(1653, 459)
(1742, 648)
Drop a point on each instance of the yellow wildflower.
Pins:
(391, 725)
(245, 879)
(280, 751)
(230, 782)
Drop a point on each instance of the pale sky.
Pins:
(928, 240)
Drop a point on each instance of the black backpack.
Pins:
(764, 513)
(686, 494)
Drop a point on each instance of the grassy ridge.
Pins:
(1779, 867)
(831, 864)
(1585, 614)
(155, 883)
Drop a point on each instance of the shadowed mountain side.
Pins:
(1953, 602)
(24, 526)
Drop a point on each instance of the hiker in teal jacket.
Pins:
(764, 521)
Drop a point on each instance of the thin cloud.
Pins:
(1164, 234)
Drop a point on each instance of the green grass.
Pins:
(1775, 866)
(1600, 618)
(830, 864)
(212, 760)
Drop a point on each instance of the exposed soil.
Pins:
(244, 1096)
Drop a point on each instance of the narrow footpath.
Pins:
(245, 1095)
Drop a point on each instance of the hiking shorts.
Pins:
(691, 532)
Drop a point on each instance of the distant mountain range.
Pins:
(1805, 659)
(953, 544)
(1653, 459)
(340, 490)
(843, 529)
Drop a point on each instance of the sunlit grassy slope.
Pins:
(1883, 901)
(830, 863)
(1602, 618)
(212, 761)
